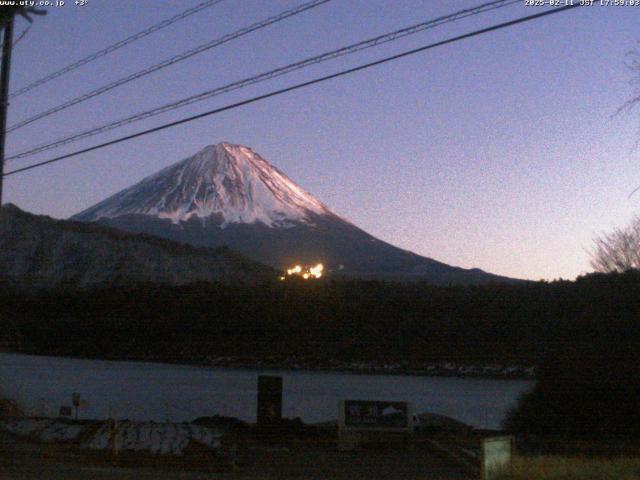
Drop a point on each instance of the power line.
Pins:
(356, 47)
(118, 45)
(171, 61)
(299, 86)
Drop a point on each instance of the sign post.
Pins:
(75, 400)
(269, 400)
(65, 411)
(114, 437)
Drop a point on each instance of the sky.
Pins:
(502, 152)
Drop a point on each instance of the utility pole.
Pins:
(7, 16)
(4, 92)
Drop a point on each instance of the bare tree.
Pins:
(619, 250)
(633, 64)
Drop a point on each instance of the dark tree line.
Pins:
(584, 393)
(340, 319)
(583, 334)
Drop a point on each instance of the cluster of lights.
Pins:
(306, 272)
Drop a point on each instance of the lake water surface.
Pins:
(155, 391)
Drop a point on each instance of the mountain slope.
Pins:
(228, 195)
(37, 251)
(230, 182)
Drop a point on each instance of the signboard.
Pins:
(269, 400)
(366, 420)
(367, 414)
(65, 411)
(495, 456)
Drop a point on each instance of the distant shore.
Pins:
(440, 369)
(436, 369)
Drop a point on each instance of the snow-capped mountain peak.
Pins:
(249, 206)
(224, 180)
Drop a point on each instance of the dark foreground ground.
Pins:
(297, 458)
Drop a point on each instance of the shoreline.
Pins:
(440, 369)
(446, 369)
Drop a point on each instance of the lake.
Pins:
(156, 391)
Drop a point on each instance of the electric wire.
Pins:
(274, 93)
(171, 61)
(116, 46)
(356, 47)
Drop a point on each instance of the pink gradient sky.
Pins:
(499, 152)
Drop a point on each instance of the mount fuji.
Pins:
(228, 195)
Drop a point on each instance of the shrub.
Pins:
(586, 394)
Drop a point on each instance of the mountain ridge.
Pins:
(37, 251)
(228, 195)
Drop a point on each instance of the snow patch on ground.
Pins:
(163, 438)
